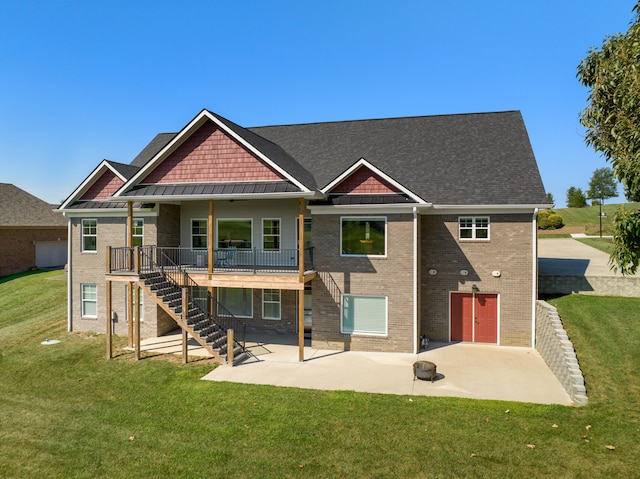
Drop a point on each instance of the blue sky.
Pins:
(82, 81)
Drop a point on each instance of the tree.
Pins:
(612, 122)
(576, 198)
(550, 200)
(602, 185)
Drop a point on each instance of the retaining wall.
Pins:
(597, 285)
(556, 349)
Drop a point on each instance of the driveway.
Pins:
(567, 256)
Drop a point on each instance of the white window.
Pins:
(235, 301)
(364, 314)
(271, 303)
(89, 300)
(138, 232)
(89, 235)
(199, 234)
(364, 236)
(271, 234)
(473, 228)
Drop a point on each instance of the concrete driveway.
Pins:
(567, 256)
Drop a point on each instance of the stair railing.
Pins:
(154, 259)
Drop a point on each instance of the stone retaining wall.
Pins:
(556, 349)
(596, 285)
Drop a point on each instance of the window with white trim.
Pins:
(138, 232)
(473, 227)
(89, 235)
(271, 304)
(89, 297)
(235, 232)
(364, 236)
(235, 301)
(198, 234)
(271, 234)
(362, 314)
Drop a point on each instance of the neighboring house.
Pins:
(371, 234)
(32, 234)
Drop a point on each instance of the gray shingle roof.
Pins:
(467, 159)
(158, 143)
(22, 209)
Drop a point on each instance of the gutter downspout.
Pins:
(416, 346)
(69, 282)
(534, 292)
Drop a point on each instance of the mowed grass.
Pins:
(68, 412)
(589, 217)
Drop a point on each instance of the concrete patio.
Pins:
(466, 370)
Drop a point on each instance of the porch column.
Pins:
(109, 325)
(129, 223)
(301, 279)
(136, 314)
(130, 315)
(210, 245)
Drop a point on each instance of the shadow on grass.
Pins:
(6, 279)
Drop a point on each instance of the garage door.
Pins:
(50, 254)
(474, 317)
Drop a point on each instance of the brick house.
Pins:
(368, 234)
(31, 233)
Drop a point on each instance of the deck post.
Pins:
(108, 259)
(301, 324)
(301, 279)
(185, 347)
(109, 324)
(136, 314)
(130, 235)
(136, 260)
(210, 245)
(130, 316)
(230, 341)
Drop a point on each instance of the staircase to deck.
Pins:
(175, 292)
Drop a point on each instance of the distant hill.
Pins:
(587, 220)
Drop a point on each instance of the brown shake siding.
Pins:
(391, 277)
(509, 251)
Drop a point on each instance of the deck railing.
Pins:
(237, 260)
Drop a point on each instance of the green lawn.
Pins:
(67, 412)
(589, 217)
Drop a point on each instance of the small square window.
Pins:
(364, 236)
(473, 228)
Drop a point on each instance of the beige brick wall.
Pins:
(90, 267)
(509, 250)
(391, 276)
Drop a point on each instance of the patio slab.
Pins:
(464, 370)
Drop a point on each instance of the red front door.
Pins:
(474, 317)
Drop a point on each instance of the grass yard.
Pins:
(589, 217)
(69, 413)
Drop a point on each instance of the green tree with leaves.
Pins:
(612, 122)
(576, 198)
(550, 200)
(602, 185)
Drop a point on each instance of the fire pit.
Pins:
(424, 370)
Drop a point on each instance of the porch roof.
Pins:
(210, 189)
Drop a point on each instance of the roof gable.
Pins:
(103, 187)
(208, 139)
(101, 183)
(210, 155)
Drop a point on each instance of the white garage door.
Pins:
(51, 253)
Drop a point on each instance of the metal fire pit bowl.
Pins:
(424, 370)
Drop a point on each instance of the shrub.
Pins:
(549, 220)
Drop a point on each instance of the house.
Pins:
(369, 235)
(32, 235)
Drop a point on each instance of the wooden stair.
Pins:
(194, 321)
